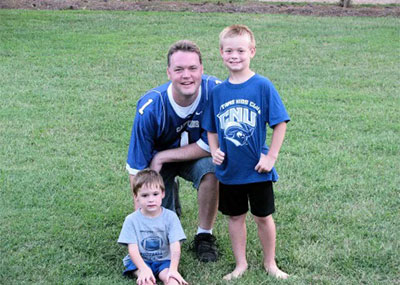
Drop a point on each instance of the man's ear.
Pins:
(169, 77)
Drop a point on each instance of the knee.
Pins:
(209, 178)
(236, 219)
(263, 221)
(209, 181)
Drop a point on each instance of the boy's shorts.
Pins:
(155, 266)
(234, 199)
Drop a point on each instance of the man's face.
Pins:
(185, 72)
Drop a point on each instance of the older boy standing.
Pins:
(236, 119)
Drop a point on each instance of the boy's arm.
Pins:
(175, 249)
(144, 273)
(267, 162)
(217, 155)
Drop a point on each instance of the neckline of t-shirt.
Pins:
(241, 85)
(183, 112)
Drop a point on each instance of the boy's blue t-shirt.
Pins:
(239, 114)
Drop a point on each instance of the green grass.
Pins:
(69, 82)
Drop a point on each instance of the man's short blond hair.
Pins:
(237, 30)
(147, 177)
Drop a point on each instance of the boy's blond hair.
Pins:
(147, 177)
(237, 30)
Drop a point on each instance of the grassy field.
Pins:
(69, 81)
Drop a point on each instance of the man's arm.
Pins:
(266, 162)
(188, 152)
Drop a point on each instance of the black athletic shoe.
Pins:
(205, 247)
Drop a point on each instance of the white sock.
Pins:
(203, 231)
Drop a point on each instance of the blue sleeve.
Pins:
(208, 120)
(143, 136)
(276, 109)
(211, 83)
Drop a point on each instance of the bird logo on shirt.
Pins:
(238, 133)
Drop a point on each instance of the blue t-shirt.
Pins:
(239, 114)
(161, 124)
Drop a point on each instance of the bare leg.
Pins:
(163, 277)
(237, 233)
(207, 198)
(267, 235)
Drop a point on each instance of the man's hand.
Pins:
(145, 276)
(218, 156)
(265, 164)
(177, 276)
(185, 153)
(157, 163)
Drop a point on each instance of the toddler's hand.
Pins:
(145, 276)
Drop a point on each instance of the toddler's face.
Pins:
(149, 200)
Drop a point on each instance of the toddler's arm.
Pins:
(266, 162)
(175, 249)
(144, 273)
(217, 155)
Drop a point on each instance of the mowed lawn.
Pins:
(69, 82)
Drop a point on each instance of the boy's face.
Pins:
(237, 52)
(148, 199)
(185, 72)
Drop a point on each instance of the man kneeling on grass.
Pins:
(152, 233)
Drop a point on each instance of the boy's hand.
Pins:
(218, 156)
(265, 163)
(177, 276)
(145, 276)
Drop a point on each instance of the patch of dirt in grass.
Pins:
(311, 9)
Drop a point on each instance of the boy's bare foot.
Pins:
(276, 272)
(237, 273)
